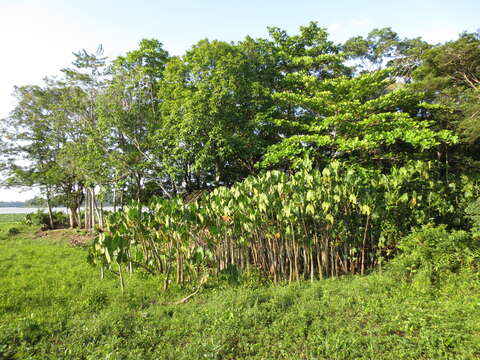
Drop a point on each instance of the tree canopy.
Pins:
(151, 124)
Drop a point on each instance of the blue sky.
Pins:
(38, 36)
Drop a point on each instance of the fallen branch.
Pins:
(185, 299)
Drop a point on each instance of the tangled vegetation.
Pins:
(307, 225)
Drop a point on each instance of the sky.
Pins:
(38, 36)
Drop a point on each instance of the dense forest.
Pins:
(293, 155)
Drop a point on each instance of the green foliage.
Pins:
(231, 274)
(386, 160)
(36, 201)
(451, 74)
(147, 124)
(312, 224)
(128, 111)
(41, 218)
(38, 132)
(11, 218)
(433, 253)
(473, 213)
(379, 45)
(210, 101)
(369, 317)
(356, 119)
(13, 231)
(383, 47)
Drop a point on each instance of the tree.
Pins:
(211, 127)
(35, 136)
(383, 48)
(372, 51)
(356, 119)
(84, 152)
(273, 60)
(218, 105)
(52, 131)
(129, 118)
(451, 73)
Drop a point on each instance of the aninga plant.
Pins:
(314, 223)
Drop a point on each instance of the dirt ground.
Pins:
(74, 237)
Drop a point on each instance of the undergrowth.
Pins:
(52, 306)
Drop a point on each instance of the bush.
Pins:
(13, 231)
(473, 214)
(40, 218)
(433, 252)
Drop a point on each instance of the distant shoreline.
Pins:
(32, 209)
(15, 204)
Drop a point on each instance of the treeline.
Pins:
(36, 201)
(149, 124)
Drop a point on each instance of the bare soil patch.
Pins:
(73, 237)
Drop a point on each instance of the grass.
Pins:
(11, 218)
(53, 306)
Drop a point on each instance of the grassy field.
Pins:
(11, 218)
(53, 306)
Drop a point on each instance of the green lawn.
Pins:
(11, 218)
(53, 306)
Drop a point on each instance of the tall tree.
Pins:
(451, 73)
(35, 134)
(356, 119)
(84, 153)
(450, 77)
(383, 47)
(129, 119)
(210, 126)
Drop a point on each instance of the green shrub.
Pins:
(473, 214)
(13, 231)
(41, 218)
(96, 300)
(433, 252)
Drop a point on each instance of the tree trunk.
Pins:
(138, 180)
(50, 215)
(91, 206)
(121, 199)
(115, 198)
(95, 208)
(218, 170)
(72, 210)
(87, 218)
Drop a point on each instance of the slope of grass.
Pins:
(53, 306)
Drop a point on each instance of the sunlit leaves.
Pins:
(281, 215)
